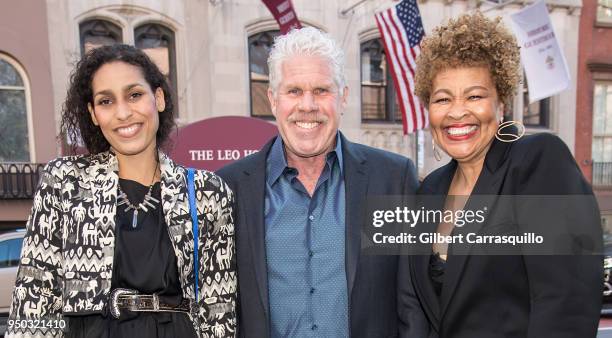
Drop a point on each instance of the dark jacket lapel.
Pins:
(356, 188)
(489, 183)
(435, 186)
(252, 186)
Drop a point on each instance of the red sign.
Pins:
(212, 143)
(283, 12)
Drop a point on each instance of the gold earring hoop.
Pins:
(508, 137)
(436, 152)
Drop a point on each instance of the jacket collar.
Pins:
(104, 167)
(104, 179)
(172, 180)
(488, 185)
(251, 206)
(356, 178)
(441, 179)
(497, 155)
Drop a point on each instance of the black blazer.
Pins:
(521, 295)
(372, 280)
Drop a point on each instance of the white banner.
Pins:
(544, 62)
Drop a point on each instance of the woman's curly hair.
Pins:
(470, 40)
(76, 121)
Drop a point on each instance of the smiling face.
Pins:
(464, 111)
(307, 106)
(126, 108)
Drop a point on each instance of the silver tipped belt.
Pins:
(131, 300)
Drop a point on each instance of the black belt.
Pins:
(126, 299)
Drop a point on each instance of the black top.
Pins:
(436, 272)
(144, 260)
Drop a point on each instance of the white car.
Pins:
(10, 251)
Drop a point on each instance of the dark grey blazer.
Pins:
(372, 280)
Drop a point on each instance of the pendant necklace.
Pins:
(148, 200)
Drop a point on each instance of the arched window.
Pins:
(96, 33)
(378, 97)
(13, 112)
(260, 45)
(157, 42)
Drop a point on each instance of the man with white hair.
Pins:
(300, 208)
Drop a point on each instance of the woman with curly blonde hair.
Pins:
(467, 75)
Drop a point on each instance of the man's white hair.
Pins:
(307, 41)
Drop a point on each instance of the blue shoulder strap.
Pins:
(194, 221)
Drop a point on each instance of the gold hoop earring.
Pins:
(507, 137)
(436, 152)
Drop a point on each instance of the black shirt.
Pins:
(144, 260)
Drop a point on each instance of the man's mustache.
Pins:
(308, 117)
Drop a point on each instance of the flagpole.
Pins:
(416, 152)
(351, 7)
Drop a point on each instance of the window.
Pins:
(13, 113)
(93, 33)
(259, 49)
(96, 33)
(157, 42)
(10, 251)
(602, 134)
(378, 98)
(604, 12)
(535, 114)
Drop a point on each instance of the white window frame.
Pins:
(598, 21)
(598, 135)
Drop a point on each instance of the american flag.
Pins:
(402, 30)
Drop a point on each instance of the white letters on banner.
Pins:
(544, 62)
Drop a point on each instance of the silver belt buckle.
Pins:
(114, 300)
(155, 302)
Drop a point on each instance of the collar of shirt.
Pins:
(276, 163)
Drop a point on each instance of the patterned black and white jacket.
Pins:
(67, 256)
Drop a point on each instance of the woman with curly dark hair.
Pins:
(109, 248)
(471, 280)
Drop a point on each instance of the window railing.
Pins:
(373, 102)
(19, 180)
(602, 174)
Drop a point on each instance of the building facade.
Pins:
(594, 102)
(213, 53)
(27, 114)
